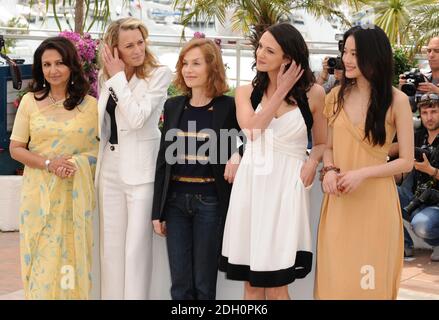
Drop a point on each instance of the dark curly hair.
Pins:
(294, 47)
(79, 89)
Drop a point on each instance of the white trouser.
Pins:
(126, 232)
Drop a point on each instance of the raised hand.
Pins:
(112, 63)
(287, 78)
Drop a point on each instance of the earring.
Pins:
(44, 83)
(72, 83)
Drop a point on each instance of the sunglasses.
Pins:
(428, 100)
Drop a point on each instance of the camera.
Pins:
(414, 77)
(425, 195)
(334, 64)
(419, 152)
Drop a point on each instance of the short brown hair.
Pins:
(111, 38)
(216, 79)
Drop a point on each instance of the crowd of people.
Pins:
(226, 180)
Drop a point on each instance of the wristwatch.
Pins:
(47, 163)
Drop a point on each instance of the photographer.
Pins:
(418, 193)
(418, 80)
(330, 77)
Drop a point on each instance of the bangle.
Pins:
(47, 163)
(325, 170)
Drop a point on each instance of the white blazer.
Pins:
(139, 105)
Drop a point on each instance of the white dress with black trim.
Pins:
(267, 236)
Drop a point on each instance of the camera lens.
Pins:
(409, 89)
(332, 62)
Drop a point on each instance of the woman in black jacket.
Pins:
(196, 165)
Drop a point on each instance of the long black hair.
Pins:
(375, 61)
(76, 91)
(294, 47)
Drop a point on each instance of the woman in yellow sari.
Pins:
(54, 135)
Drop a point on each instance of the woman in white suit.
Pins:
(133, 89)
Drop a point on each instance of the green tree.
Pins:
(85, 12)
(426, 21)
(394, 17)
(254, 16)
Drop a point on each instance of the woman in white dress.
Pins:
(267, 237)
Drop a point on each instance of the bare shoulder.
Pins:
(400, 105)
(244, 91)
(316, 91)
(316, 96)
(400, 100)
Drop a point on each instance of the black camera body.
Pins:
(419, 152)
(425, 195)
(414, 77)
(334, 64)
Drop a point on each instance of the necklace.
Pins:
(54, 102)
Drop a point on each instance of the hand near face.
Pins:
(287, 78)
(112, 63)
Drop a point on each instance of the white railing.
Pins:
(237, 47)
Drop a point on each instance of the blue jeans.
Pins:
(194, 233)
(425, 222)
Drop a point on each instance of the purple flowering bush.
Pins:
(199, 35)
(88, 52)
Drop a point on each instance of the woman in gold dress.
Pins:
(360, 240)
(54, 136)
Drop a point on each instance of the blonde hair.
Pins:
(216, 73)
(111, 38)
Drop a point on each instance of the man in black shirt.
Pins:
(425, 219)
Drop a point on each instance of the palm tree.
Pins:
(426, 21)
(254, 16)
(83, 10)
(394, 17)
